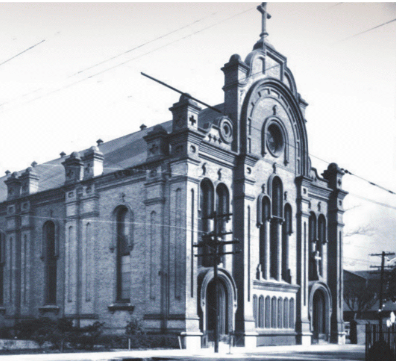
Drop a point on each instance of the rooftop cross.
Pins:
(263, 10)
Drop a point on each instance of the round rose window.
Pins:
(274, 138)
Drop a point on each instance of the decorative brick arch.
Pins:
(322, 287)
(227, 280)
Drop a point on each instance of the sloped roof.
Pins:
(208, 116)
(120, 153)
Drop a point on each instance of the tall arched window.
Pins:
(280, 312)
(311, 246)
(2, 261)
(222, 206)
(122, 255)
(312, 226)
(286, 231)
(50, 262)
(267, 312)
(265, 205)
(277, 200)
(277, 209)
(206, 209)
(255, 311)
(273, 312)
(285, 313)
(321, 240)
(291, 313)
(261, 312)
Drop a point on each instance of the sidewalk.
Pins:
(237, 353)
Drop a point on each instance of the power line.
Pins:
(366, 31)
(183, 93)
(127, 61)
(372, 201)
(143, 44)
(215, 109)
(22, 52)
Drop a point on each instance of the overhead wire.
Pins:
(366, 31)
(15, 56)
(145, 43)
(125, 62)
(56, 90)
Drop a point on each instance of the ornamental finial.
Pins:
(263, 10)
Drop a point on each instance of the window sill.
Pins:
(49, 308)
(121, 307)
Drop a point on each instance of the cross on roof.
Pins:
(263, 10)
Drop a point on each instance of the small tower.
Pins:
(157, 145)
(73, 168)
(93, 162)
(29, 182)
(13, 186)
(185, 113)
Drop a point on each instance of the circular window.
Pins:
(274, 138)
(226, 130)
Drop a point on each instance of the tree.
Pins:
(360, 296)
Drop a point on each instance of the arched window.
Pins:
(267, 312)
(205, 225)
(206, 204)
(280, 313)
(277, 209)
(122, 255)
(312, 246)
(222, 206)
(273, 312)
(255, 311)
(321, 240)
(261, 312)
(2, 261)
(291, 313)
(312, 230)
(277, 200)
(263, 249)
(286, 231)
(285, 313)
(50, 262)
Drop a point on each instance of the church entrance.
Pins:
(319, 322)
(222, 296)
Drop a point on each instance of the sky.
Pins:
(70, 74)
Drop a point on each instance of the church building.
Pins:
(113, 232)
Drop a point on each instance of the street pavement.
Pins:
(275, 353)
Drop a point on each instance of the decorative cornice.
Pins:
(274, 286)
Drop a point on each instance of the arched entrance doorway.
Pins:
(222, 316)
(320, 310)
(227, 300)
(319, 316)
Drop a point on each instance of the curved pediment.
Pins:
(273, 125)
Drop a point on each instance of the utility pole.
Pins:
(215, 243)
(383, 255)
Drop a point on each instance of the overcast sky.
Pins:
(70, 74)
